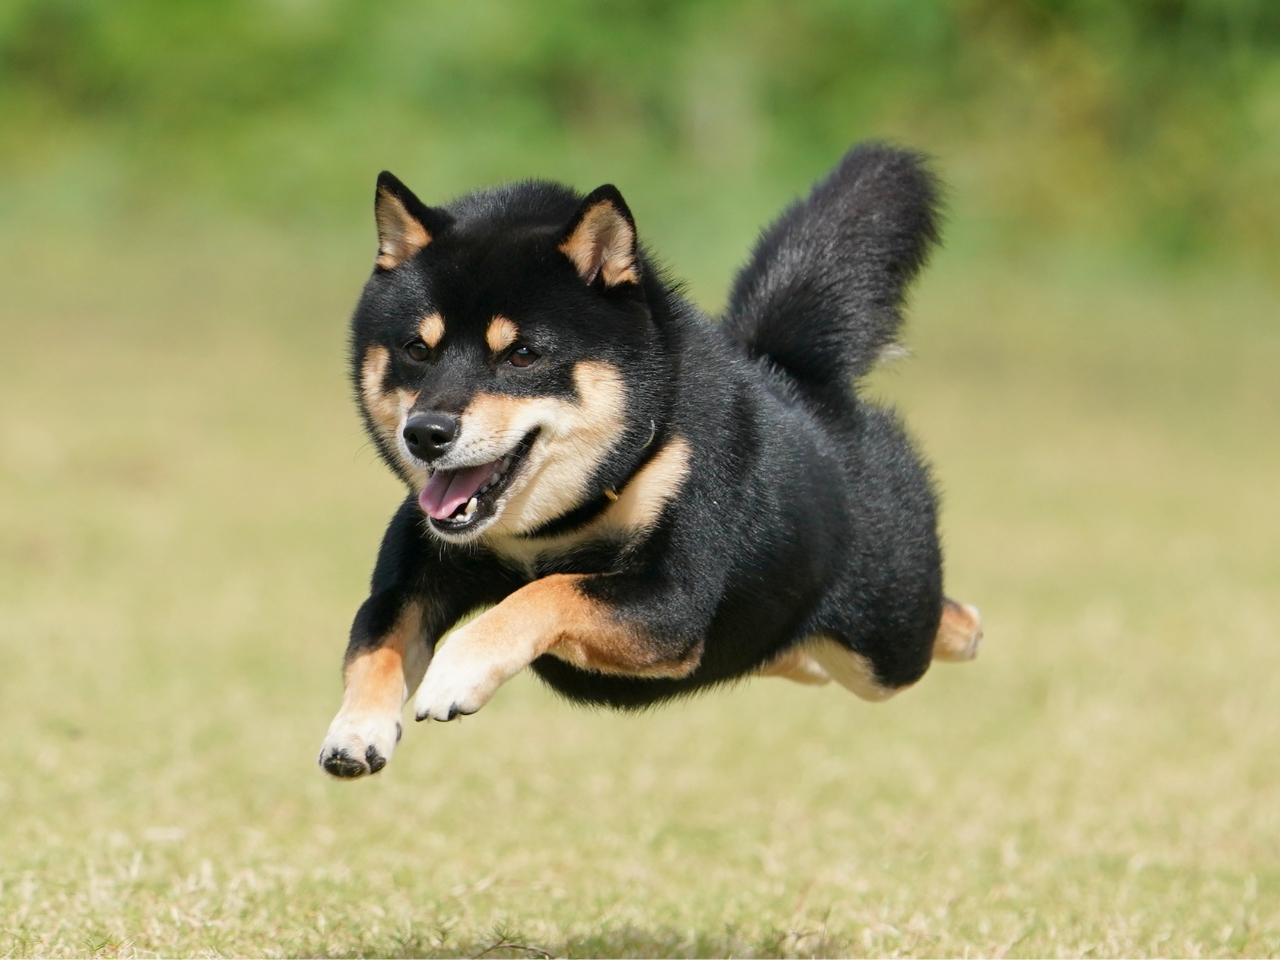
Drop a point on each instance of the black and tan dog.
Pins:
(650, 502)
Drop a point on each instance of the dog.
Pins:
(647, 502)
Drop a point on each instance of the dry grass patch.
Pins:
(189, 516)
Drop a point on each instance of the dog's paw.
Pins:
(959, 632)
(457, 683)
(356, 746)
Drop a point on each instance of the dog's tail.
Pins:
(820, 296)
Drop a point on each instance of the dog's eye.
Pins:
(521, 357)
(417, 350)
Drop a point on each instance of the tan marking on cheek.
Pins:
(586, 429)
(634, 510)
(602, 395)
(959, 632)
(381, 405)
(640, 503)
(400, 236)
(431, 330)
(386, 408)
(377, 680)
(373, 369)
(405, 399)
(501, 334)
(591, 427)
(503, 420)
(576, 437)
(552, 616)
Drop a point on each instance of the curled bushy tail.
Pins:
(820, 296)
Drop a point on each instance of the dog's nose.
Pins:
(429, 435)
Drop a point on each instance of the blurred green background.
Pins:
(188, 512)
(1150, 125)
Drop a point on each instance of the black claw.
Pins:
(376, 760)
(399, 731)
(453, 711)
(341, 765)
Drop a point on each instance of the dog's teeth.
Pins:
(506, 463)
(496, 477)
(472, 505)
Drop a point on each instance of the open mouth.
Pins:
(457, 500)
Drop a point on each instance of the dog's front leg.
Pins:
(383, 666)
(556, 616)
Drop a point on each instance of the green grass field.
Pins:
(188, 515)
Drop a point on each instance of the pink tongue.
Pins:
(447, 490)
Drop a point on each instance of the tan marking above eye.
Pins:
(501, 334)
(431, 330)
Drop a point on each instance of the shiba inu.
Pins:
(649, 502)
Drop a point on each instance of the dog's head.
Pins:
(504, 352)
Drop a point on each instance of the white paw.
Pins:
(458, 682)
(359, 745)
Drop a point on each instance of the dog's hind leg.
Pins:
(796, 664)
(959, 632)
(851, 670)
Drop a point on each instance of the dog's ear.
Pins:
(405, 223)
(601, 239)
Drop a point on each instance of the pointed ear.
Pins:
(405, 224)
(601, 239)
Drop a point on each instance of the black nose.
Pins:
(429, 435)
